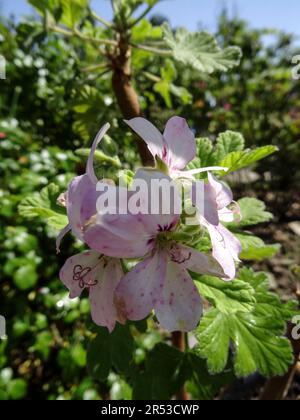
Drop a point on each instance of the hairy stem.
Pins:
(179, 340)
(126, 95)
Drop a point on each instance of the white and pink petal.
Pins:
(140, 289)
(118, 236)
(181, 144)
(102, 294)
(90, 163)
(223, 193)
(226, 249)
(196, 261)
(79, 272)
(149, 133)
(179, 307)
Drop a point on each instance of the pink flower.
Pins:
(176, 147)
(161, 281)
(226, 247)
(82, 195)
(100, 275)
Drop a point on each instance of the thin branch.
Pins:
(100, 41)
(95, 67)
(78, 34)
(102, 20)
(165, 53)
(152, 77)
(141, 17)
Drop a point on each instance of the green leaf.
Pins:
(253, 212)
(98, 356)
(100, 158)
(45, 7)
(73, 12)
(144, 31)
(181, 93)
(257, 336)
(205, 154)
(44, 206)
(254, 248)
(78, 354)
(228, 297)
(229, 142)
(163, 376)
(43, 344)
(200, 50)
(256, 342)
(203, 385)
(25, 277)
(163, 88)
(110, 350)
(17, 389)
(269, 303)
(168, 72)
(242, 159)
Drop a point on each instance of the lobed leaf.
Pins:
(257, 336)
(228, 297)
(242, 159)
(44, 206)
(200, 50)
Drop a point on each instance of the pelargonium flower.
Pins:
(176, 147)
(100, 275)
(81, 197)
(161, 281)
(226, 247)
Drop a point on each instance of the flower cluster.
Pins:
(160, 279)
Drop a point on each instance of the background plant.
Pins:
(53, 111)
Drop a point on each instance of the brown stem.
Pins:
(126, 95)
(178, 341)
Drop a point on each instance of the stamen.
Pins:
(79, 274)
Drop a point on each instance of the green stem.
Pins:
(90, 69)
(147, 48)
(100, 19)
(152, 77)
(78, 34)
(141, 17)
